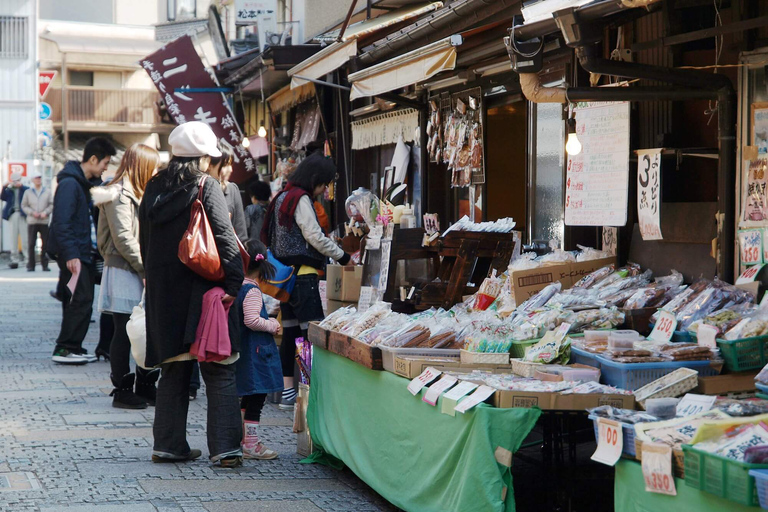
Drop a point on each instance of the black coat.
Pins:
(174, 293)
(70, 234)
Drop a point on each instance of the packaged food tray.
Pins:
(761, 482)
(721, 476)
(633, 376)
(388, 354)
(579, 356)
(629, 435)
(519, 347)
(744, 354)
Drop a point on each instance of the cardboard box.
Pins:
(556, 401)
(334, 305)
(729, 383)
(411, 367)
(343, 283)
(526, 283)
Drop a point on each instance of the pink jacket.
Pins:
(212, 342)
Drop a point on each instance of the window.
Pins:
(548, 142)
(81, 78)
(14, 42)
(179, 10)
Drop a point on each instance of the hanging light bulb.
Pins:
(246, 142)
(262, 131)
(572, 145)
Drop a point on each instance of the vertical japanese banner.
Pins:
(177, 66)
(649, 193)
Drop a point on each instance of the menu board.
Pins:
(597, 179)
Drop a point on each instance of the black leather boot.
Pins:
(124, 397)
(146, 384)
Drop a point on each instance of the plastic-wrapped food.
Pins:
(756, 455)
(365, 321)
(338, 318)
(588, 319)
(762, 377)
(525, 261)
(724, 320)
(557, 256)
(551, 349)
(410, 335)
(716, 296)
(741, 408)
(540, 298)
(590, 254)
(645, 297)
(618, 299)
(595, 277)
(537, 324)
(623, 415)
(489, 290)
(576, 298)
(675, 278)
(625, 284)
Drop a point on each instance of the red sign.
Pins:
(44, 81)
(176, 66)
(13, 167)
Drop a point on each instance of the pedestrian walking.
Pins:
(37, 205)
(293, 233)
(13, 194)
(174, 299)
(72, 243)
(122, 281)
(260, 192)
(258, 370)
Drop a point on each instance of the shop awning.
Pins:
(367, 27)
(323, 62)
(286, 97)
(407, 69)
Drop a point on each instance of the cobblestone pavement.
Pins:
(64, 448)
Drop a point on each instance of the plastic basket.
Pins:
(629, 435)
(761, 482)
(388, 354)
(670, 385)
(633, 376)
(729, 479)
(524, 368)
(519, 347)
(744, 354)
(468, 357)
(579, 356)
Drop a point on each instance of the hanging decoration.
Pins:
(385, 129)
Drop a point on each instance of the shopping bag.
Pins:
(137, 333)
(281, 285)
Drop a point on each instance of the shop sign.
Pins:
(649, 193)
(597, 179)
(177, 66)
(657, 469)
(755, 203)
(751, 245)
(247, 12)
(610, 442)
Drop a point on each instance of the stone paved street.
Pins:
(64, 448)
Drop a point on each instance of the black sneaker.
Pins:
(64, 356)
(192, 394)
(193, 454)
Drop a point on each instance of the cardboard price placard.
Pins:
(751, 244)
(657, 469)
(664, 328)
(422, 380)
(610, 442)
(692, 404)
(437, 389)
(479, 396)
(707, 335)
(749, 275)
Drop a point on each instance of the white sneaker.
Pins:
(258, 452)
(66, 357)
(91, 358)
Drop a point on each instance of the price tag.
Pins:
(695, 404)
(707, 335)
(664, 328)
(749, 275)
(751, 243)
(610, 442)
(657, 469)
(366, 293)
(561, 331)
(451, 398)
(479, 396)
(437, 389)
(422, 380)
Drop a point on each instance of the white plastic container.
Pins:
(662, 408)
(624, 334)
(596, 336)
(407, 219)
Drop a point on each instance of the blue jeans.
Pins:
(224, 429)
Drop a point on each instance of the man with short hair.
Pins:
(72, 243)
(12, 194)
(37, 205)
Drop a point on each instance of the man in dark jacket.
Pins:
(72, 243)
(13, 194)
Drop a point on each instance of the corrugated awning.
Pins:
(368, 27)
(405, 70)
(286, 97)
(323, 62)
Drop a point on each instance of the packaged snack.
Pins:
(591, 279)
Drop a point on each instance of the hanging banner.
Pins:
(610, 240)
(751, 245)
(597, 180)
(649, 193)
(755, 204)
(177, 66)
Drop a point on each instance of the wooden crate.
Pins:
(355, 350)
(317, 335)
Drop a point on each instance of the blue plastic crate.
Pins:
(632, 376)
(761, 482)
(629, 435)
(762, 387)
(579, 356)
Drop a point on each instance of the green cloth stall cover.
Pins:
(630, 495)
(416, 457)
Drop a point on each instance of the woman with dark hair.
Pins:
(221, 170)
(174, 300)
(292, 232)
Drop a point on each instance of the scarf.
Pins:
(285, 215)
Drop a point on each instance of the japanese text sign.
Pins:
(44, 81)
(177, 66)
(649, 193)
(248, 11)
(610, 442)
(751, 245)
(664, 328)
(422, 380)
(437, 389)
(657, 469)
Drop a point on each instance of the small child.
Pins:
(258, 371)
